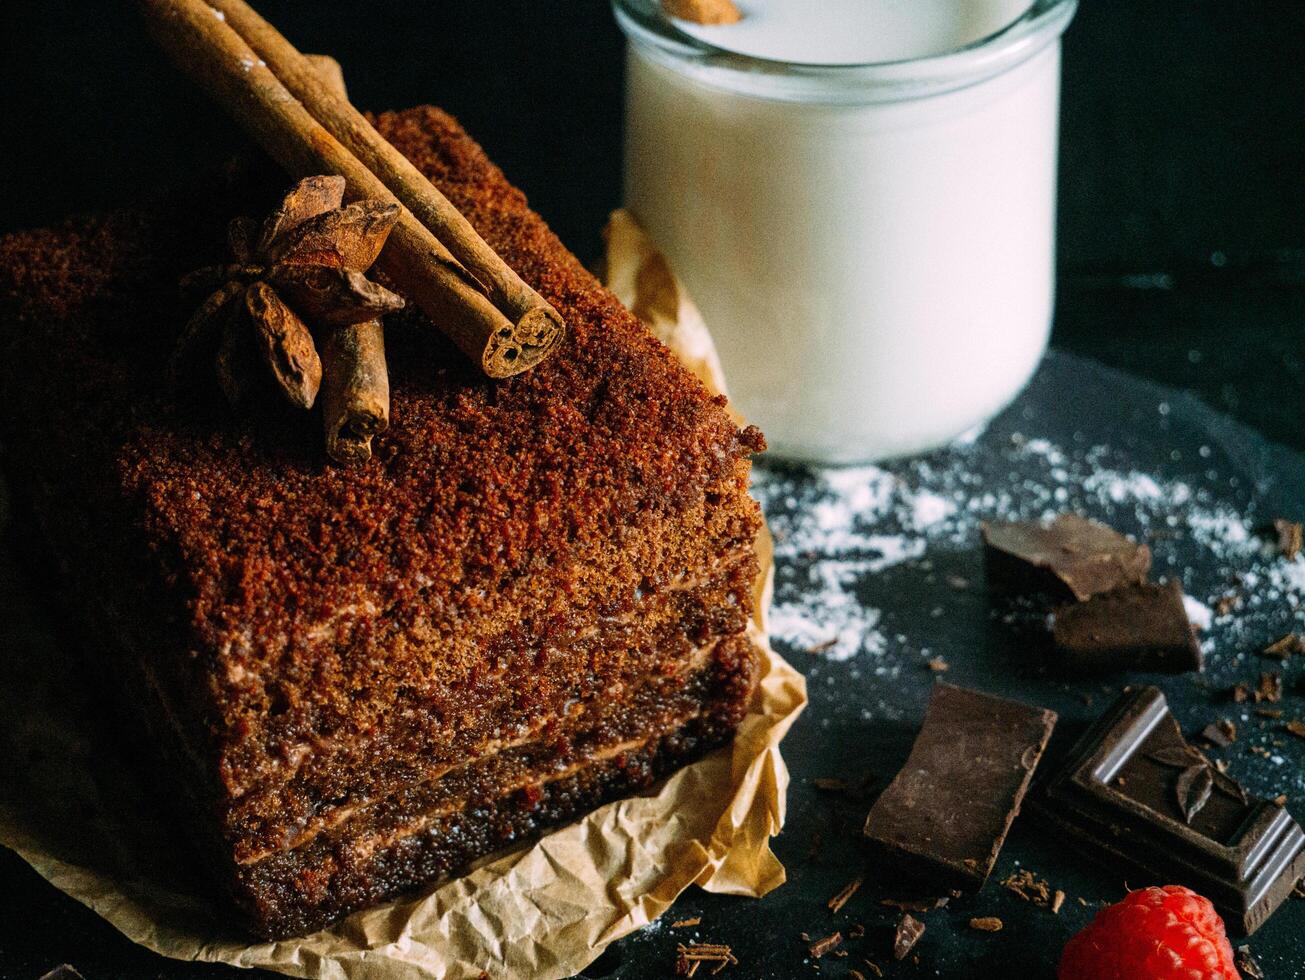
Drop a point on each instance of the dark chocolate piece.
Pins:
(1119, 794)
(944, 817)
(1072, 557)
(1136, 627)
(909, 931)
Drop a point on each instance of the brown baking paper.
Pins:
(71, 806)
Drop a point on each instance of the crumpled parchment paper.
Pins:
(73, 808)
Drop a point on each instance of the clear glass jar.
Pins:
(871, 245)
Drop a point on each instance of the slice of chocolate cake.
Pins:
(532, 600)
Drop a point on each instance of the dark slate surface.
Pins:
(860, 723)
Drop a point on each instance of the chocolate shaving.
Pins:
(1290, 537)
(692, 956)
(1284, 647)
(685, 923)
(909, 931)
(873, 967)
(1240, 693)
(1296, 727)
(1057, 900)
(828, 944)
(986, 923)
(1193, 789)
(847, 891)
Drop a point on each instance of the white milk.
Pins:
(872, 246)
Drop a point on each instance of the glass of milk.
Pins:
(860, 197)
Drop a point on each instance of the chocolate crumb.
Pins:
(686, 923)
(909, 931)
(1290, 537)
(1270, 688)
(986, 923)
(1296, 727)
(856, 932)
(938, 665)
(830, 784)
(873, 967)
(828, 944)
(1272, 713)
(1280, 799)
(1057, 900)
(845, 893)
(1241, 693)
(1029, 887)
(855, 974)
(1247, 963)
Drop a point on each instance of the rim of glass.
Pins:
(1042, 22)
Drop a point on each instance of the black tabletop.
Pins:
(1182, 263)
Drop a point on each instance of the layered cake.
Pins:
(531, 600)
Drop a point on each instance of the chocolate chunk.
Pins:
(944, 817)
(909, 931)
(1072, 557)
(1136, 627)
(1125, 788)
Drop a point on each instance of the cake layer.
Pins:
(622, 657)
(430, 832)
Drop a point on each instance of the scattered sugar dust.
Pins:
(836, 529)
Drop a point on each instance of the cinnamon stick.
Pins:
(355, 390)
(355, 378)
(204, 46)
(538, 327)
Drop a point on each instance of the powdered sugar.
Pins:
(840, 531)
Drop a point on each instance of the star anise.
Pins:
(302, 267)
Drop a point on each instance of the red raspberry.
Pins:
(1168, 933)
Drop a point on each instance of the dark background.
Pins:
(1182, 231)
(1182, 213)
